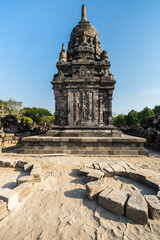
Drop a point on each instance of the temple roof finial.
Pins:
(84, 15)
(63, 48)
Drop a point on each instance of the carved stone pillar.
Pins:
(90, 106)
(96, 107)
(100, 110)
(70, 107)
(110, 109)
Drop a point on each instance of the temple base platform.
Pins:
(108, 142)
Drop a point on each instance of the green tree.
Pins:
(132, 118)
(119, 120)
(144, 115)
(11, 106)
(46, 119)
(156, 110)
(35, 113)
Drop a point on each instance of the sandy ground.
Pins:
(59, 209)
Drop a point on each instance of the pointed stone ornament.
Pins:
(63, 54)
(84, 15)
(63, 48)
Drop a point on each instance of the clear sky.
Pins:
(32, 31)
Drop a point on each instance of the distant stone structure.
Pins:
(83, 89)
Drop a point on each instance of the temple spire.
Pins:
(84, 15)
(63, 48)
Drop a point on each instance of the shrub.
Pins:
(26, 120)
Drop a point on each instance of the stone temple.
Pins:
(83, 90)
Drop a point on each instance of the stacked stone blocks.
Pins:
(9, 199)
(133, 205)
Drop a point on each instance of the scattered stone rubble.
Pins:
(9, 198)
(151, 132)
(134, 206)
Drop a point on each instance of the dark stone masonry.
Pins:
(83, 89)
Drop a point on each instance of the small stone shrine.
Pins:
(83, 89)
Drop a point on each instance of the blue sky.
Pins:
(32, 31)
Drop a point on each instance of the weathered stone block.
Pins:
(25, 179)
(136, 176)
(158, 194)
(21, 163)
(2, 163)
(3, 210)
(117, 168)
(10, 197)
(113, 200)
(84, 171)
(109, 172)
(27, 167)
(37, 174)
(37, 165)
(94, 175)
(24, 190)
(11, 163)
(137, 209)
(153, 206)
(94, 188)
(153, 182)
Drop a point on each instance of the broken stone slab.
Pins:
(96, 166)
(24, 190)
(136, 176)
(88, 165)
(133, 166)
(118, 169)
(109, 172)
(36, 165)
(137, 209)
(126, 167)
(153, 182)
(158, 194)
(113, 200)
(153, 206)
(3, 210)
(25, 179)
(150, 173)
(37, 174)
(2, 163)
(27, 167)
(10, 197)
(94, 175)
(94, 188)
(11, 163)
(84, 171)
(21, 163)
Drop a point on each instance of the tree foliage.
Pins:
(156, 110)
(132, 118)
(35, 113)
(119, 120)
(144, 115)
(11, 106)
(136, 118)
(46, 119)
(26, 120)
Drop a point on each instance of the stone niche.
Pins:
(83, 89)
